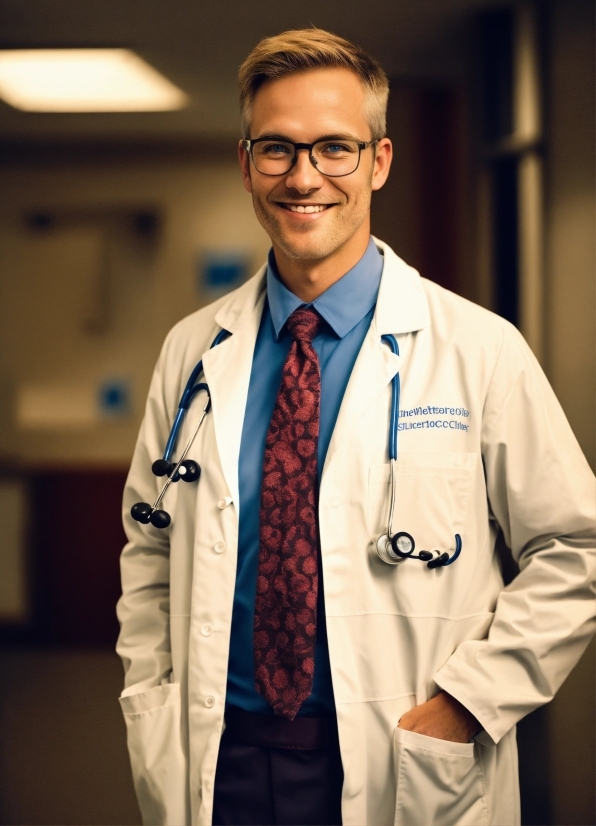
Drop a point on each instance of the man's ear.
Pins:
(244, 159)
(382, 163)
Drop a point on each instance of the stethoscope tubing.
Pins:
(173, 475)
(395, 393)
(190, 391)
(393, 421)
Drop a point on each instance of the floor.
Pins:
(63, 757)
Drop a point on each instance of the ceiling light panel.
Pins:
(85, 80)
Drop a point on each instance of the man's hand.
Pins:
(442, 717)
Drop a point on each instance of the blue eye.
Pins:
(334, 151)
(275, 149)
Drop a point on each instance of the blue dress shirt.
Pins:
(347, 308)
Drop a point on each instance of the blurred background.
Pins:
(115, 224)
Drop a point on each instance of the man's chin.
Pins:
(307, 247)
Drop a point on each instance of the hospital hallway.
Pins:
(114, 225)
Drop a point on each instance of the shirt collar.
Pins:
(342, 305)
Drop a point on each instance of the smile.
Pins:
(305, 208)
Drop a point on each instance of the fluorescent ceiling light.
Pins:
(84, 80)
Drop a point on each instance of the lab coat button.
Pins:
(223, 503)
(207, 629)
(219, 547)
(209, 701)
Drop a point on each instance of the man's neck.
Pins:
(308, 278)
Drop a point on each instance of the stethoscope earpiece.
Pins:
(141, 512)
(438, 561)
(189, 471)
(160, 519)
(161, 468)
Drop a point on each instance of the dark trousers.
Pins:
(272, 771)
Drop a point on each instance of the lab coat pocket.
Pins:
(439, 783)
(431, 496)
(158, 763)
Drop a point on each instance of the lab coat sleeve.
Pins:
(143, 609)
(541, 491)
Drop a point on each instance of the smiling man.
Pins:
(312, 190)
(321, 635)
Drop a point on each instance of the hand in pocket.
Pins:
(442, 717)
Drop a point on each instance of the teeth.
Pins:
(308, 209)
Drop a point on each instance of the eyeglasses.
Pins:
(332, 158)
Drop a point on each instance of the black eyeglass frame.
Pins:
(249, 144)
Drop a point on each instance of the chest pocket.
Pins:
(432, 493)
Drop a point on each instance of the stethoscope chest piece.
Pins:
(401, 546)
(386, 553)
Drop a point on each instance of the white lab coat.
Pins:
(483, 443)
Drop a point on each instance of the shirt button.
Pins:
(207, 629)
(209, 701)
(223, 503)
(219, 547)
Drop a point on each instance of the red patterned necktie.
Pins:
(287, 580)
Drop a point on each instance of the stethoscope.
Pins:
(391, 548)
(186, 469)
(395, 548)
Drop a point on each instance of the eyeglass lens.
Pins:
(333, 158)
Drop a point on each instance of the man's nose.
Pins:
(303, 176)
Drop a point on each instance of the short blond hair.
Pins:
(300, 49)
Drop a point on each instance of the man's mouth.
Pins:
(307, 208)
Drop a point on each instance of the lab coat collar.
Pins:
(241, 305)
(402, 306)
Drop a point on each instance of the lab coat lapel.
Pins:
(401, 309)
(227, 371)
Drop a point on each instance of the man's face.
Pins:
(303, 108)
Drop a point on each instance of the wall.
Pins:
(571, 351)
(91, 298)
(423, 210)
(570, 217)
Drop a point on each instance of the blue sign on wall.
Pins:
(223, 271)
(114, 398)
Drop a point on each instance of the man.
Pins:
(350, 690)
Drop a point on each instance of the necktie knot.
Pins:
(304, 324)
